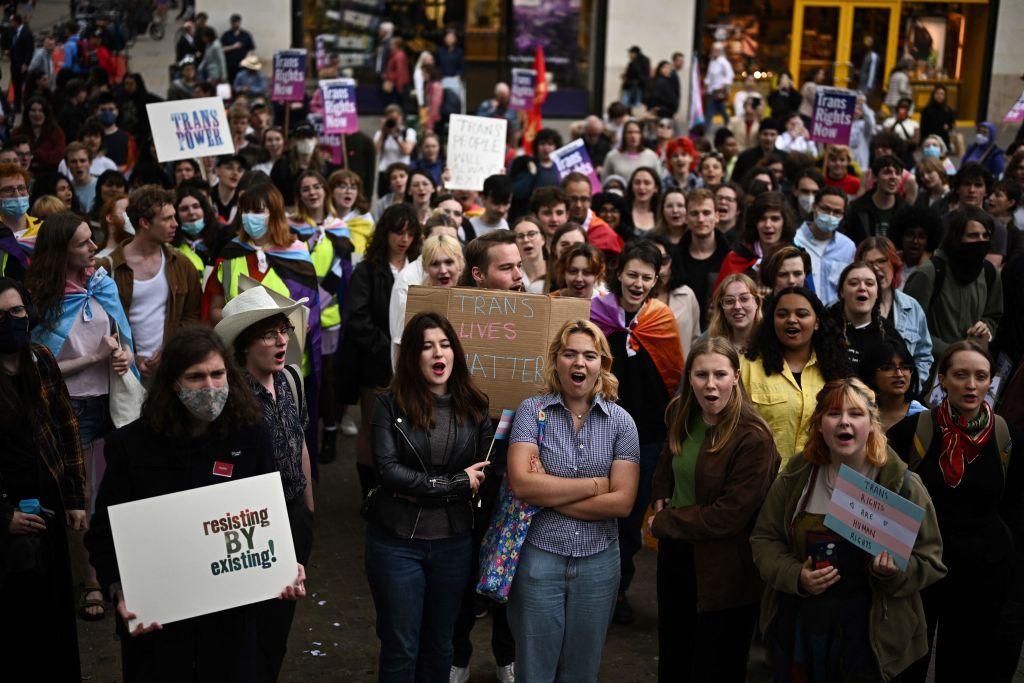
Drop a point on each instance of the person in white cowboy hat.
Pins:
(258, 327)
(250, 79)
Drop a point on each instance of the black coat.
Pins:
(364, 359)
(401, 456)
(141, 464)
(663, 97)
(22, 48)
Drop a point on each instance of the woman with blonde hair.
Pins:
(710, 481)
(736, 311)
(443, 263)
(573, 452)
(46, 206)
(837, 167)
(831, 611)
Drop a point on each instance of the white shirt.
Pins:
(481, 228)
(149, 311)
(96, 168)
(391, 153)
(412, 274)
(720, 74)
(905, 129)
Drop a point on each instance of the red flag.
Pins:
(534, 120)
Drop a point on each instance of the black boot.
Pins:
(328, 444)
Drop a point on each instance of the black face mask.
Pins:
(14, 335)
(967, 260)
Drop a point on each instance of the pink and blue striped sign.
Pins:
(872, 517)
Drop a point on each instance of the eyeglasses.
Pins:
(524, 236)
(270, 338)
(892, 367)
(742, 299)
(13, 312)
(726, 198)
(346, 188)
(878, 262)
(14, 191)
(838, 213)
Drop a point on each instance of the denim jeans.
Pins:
(631, 538)
(417, 587)
(93, 413)
(559, 609)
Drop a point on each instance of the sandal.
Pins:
(85, 604)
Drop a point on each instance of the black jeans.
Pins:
(693, 646)
(631, 538)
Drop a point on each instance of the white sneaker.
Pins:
(507, 673)
(348, 426)
(459, 674)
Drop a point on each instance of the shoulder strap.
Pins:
(294, 379)
(940, 277)
(990, 274)
(923, 435)
(1002, 430)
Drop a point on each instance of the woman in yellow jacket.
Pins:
(798, 350)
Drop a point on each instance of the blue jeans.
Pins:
(631, 538)
(417, 587)
(712, 107)
(559, 610)
(93, 413)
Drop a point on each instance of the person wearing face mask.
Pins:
(300, 156)
(829, 249)
(14, 221)
(709, 483)
(822, 611)
(856, 314)
(198, 409)
(933, 147)
(118, 145)
(985, 151)
(258, 328)
(803, 191)
(200, 234)
(647, 357)
(41, 460)
(959, 289)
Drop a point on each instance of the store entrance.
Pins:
(851, 44)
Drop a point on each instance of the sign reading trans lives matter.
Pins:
(505, 335)
(186, 129)
(205, 549)
(872, 517)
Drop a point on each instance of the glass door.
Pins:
(816, 29)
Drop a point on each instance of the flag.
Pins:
(504, 424)
(696, 94)
(534, 120)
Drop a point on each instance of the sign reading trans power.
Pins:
(186, 129)
(505, 335)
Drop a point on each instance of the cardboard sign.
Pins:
(339, 106)
(505, 335)
(1016, 113)
(187, 129)
(204, 550)
(524, 87)
(574, 157)
(476, 150)
(872, 517)
(833, 115)
(289, 76)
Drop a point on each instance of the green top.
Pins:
(684, 464)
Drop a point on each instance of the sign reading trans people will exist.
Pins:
(833, 115)
(340, 114)
(289, 76)
(476, 150)
(575, 158)
(186, 129)
(872, 517)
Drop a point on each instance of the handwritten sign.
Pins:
(872, 517)
(340, 114)
(505, 334)
(833, 115)
(524, 88)
(575, 158)
(205, 549)
(289, 76)
(1016, 113)
(188, 129)
(476, 150)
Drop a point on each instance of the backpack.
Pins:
(294, 378)
(926, 430)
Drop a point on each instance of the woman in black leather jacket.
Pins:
(430, 432)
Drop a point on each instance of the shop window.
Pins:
(756, 34)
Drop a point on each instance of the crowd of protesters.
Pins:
(763, 311)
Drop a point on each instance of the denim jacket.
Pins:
(910, 321)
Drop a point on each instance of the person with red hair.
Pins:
(681, 161)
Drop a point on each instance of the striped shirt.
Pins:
(608, 434)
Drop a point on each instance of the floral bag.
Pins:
(499, 552)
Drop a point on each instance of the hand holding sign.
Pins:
(476, 150)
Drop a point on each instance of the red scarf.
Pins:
(958, 448)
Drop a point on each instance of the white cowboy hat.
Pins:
(251, 61)
(250, 307)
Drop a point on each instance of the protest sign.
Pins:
(289, 76)
(505, 335)
(872, 517)
(575, 158)
(333, 140)
(476, 150)
(186, 129)
(833, 115)
(1016, 113)
(524, 87)
(339, 106)
(204, 550)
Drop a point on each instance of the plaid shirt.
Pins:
(608, 434)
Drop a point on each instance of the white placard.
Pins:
(186, 129)
(203, 550)
(476, 150)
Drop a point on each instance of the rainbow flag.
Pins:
(504, 424)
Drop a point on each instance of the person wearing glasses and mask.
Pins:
(830, 250)
(14, 221)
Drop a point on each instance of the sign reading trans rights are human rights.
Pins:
(833, 115)
(188, 129)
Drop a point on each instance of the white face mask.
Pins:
(806, 202)
(306, 147)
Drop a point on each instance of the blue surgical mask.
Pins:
(193, 228)
(108, 118)
(932, 151)
(981, 140)
(255, 224)
(825, 222)
(14, 206)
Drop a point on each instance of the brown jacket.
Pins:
(730, 486)
(184, 296)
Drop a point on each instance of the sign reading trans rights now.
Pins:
(833, 115)
(190, 129)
